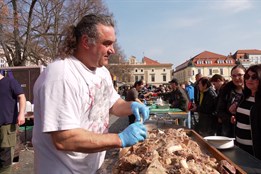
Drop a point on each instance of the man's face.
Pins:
(198, 76)
(173, 86)
(237, 76)
(100, 52)
(140, 87)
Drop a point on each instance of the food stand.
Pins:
(243, 162)
(171, 114)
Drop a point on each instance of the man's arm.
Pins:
(121, 108)
(138, 100)
(21, 101)
(80, 140)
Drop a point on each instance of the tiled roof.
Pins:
(209, 59)
(149, 61)
(208, 54)
(252, 51)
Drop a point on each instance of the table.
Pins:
(247, 162)
(172, 113)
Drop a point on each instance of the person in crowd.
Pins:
(248, 113)
(125, 90)
(194, 116)
(190, 91)
(183, 86)
(206, 108)
(145, 92)
(178, 97)
(230, 93)
(133, 95)
(217, 81)
(73, 98)
(11, 93)
(196, 88)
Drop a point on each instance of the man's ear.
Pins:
(84, 41)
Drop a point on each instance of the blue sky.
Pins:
(173, 31)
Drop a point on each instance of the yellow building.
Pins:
(207, 63)
(151, 71)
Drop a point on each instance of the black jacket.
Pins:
(209, 102)
(178, 99)
(255, 121)
(227, 96)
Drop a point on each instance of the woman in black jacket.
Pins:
(206, 108)
(248, 115)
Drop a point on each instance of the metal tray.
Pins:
(211, 150)
(205, 146)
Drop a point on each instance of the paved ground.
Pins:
(26, 164)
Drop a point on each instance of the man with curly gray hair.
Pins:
(73, 98)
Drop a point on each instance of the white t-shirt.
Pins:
(68, 95)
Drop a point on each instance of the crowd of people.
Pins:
(72, 107)
(218, 106)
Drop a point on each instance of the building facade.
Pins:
(248, 57)
(207, 63)
(151, 71)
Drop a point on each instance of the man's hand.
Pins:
(138, 109)
(133, 134)
(20, 119)
(233, 108)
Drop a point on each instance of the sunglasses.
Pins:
(248, 77)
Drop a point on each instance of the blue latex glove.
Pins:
(133, 134)
(137, 109)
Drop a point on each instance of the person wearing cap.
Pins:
(178, 97)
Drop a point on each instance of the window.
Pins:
(136, 70)
(164, 78)
(136, 78)
(152, 70)
(210, 71)
(2, 62)
(141, 77)
(220, 61)
(199, 71)
(193, 72)
(153, 78)
(221, 71)
(141, 70)
(164, 70)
